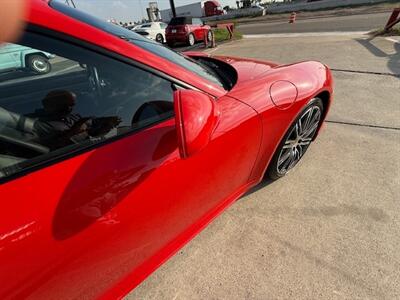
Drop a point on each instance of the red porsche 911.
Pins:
(125, 150)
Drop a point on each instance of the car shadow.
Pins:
(393, 58)
(15, 74)
(182, 48)
(107, 177)
(264, 183)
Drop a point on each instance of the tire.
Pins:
(297, 140)
(159, 38)
(191, 39)
(38, 64)
(209, 36)
(170, 44)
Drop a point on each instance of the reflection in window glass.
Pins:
(140, 41)
(55, 98)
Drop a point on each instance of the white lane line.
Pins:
(304, 34)
(393, 40)
(65, 70)
(211, 50)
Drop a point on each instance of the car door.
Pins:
(10, 56)
(94, 192)
(163, 28)
(153, 30)
(197, 23)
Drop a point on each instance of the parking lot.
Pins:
(331, 228)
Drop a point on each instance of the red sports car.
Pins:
(123, 152)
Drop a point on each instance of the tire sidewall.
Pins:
(272, 172)
(159, 38)
(31, 64)
(193, 39)
(209, 36)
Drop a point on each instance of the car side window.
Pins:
(197, 21)
(56, 98)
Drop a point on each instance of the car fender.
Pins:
(310, 79)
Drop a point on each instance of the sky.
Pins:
(130, 10)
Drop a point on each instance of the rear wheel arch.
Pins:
(325, 97)
(270, 171)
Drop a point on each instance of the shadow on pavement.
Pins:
(182, 47)
(264, 183)
(393, 58)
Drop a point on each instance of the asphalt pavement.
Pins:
(330, 229)
(364, 22)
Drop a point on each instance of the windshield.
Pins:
(180, 21)
(139, 41)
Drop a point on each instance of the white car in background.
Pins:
(153, 30)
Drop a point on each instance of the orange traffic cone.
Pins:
(292, 18)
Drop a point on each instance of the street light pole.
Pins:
(171, 2)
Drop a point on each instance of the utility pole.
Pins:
(141, 10)
(171, 2)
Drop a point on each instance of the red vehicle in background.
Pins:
(186, 30)
(196, 10)
(212, 8)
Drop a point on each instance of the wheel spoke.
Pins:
(311, 130)
(306, 139)
(295, 154)
(288, 144)
(284, 157)
(298, 129)
(294, 160)
(300, 150)
(288, 162)
(298, 140)
(304, 143)
(308, 119)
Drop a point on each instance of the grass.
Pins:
(381, 32)
(222, 34)
(342, 10)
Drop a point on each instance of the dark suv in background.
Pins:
(186, 30)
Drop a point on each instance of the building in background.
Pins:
(199, 9)
(153, 12)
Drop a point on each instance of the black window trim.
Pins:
(35, 29)
(100, 50)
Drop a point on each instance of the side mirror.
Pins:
(196, 117)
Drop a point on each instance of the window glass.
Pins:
(181, 60)
(56, 98)
(180, 21)
(163, 25)
(197, 21)
(139, 41)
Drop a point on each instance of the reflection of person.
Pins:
(59, 126)
(12, 13)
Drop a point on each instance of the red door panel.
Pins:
(197, 32)
(77, 228)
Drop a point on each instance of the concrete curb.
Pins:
(304, 34)
(285, 17)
